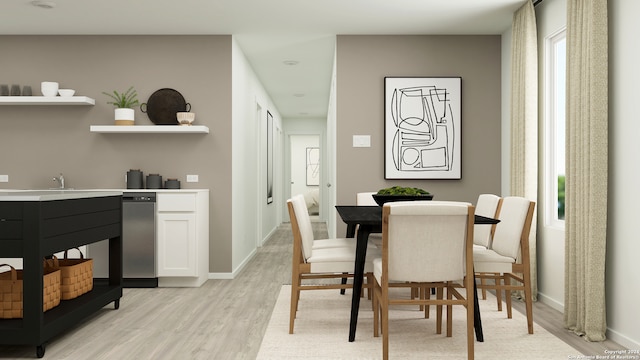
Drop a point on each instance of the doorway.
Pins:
(306, 171)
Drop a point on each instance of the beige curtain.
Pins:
(586, 178)
(524, 117)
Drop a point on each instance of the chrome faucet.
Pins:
(60, 180)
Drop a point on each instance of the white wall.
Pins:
(623, 247)
(251, 224)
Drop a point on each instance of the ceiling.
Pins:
(270, 32)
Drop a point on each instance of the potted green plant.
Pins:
(124, 102)
(399, 193)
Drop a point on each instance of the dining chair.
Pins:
(318, 264)
(307, 235)
(429, 243)
(487, 205)
(366, 199)
(508, 257)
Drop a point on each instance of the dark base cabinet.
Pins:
(33, 229)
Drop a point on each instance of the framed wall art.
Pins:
(422, 130)
(269, 158)
(313, 166)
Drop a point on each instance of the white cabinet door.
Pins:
(177, 246)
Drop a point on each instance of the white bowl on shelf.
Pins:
(185, 118)
(49, 88)
(66, 92)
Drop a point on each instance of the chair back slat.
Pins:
(514, 215)
(365, 199)
(487, 205)
(426, 240)
(304, 224)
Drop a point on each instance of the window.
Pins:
(555, 89)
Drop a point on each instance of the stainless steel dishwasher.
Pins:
(138, 242)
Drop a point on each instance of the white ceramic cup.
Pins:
(66, 92)
(185, 118)
(49, 88)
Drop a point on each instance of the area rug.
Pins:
(322, 331)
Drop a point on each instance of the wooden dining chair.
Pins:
(430, 244)
(318, 264)
(488, 205)
(508, 257)
(366, 199)
(307, 235)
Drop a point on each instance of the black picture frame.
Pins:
(269, 157)
(422, 127)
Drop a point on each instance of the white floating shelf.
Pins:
(150, 129)
(46, 100)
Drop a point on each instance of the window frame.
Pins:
(551, 133)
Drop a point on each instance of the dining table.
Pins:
(368, 220)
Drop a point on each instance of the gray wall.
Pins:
(38, 142)
(362, 64)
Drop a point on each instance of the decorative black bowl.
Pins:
(381, 199)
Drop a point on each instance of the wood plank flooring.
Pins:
(224, 319)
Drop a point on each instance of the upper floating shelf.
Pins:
(150, 129)
(46, 100)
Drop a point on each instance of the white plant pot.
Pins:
(124, 116)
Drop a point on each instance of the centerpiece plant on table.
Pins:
(124, 103)
(399, 193)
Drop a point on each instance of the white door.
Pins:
(305, 169)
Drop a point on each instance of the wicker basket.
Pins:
(76, 275)
(11, 286)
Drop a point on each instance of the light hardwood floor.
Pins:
(224, 319)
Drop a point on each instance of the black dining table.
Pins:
(368, 219)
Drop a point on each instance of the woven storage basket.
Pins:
(76, 275)
(11, 286)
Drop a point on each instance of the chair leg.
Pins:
(385, 328)
(498, 293)
(528, 300)
(439, 311)
(295, 297)
(427, 296)
(507, 295)
(370, 287)
(470, 325)
(376, 310)
(449, 311)
(484, 291)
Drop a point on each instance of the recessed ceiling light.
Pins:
(291, 62)
(44, 4)
(298, 95)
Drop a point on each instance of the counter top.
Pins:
(51, 195)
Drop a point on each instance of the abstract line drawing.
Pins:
(313, 166)
(422, 128)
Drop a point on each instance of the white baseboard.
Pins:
(551, 302)
(611, 334)
(622, 339)
(236, 271)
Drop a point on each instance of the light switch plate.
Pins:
(4, 178)
(361, 140)
(192, 178)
